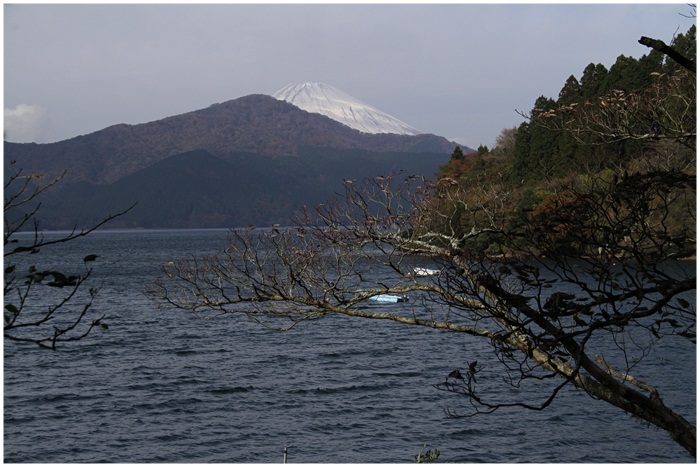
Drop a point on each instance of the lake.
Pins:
(165, 386)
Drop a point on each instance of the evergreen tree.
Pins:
(571, 92)
(651, 63)
(522, 168)
(536, 151)
(592, 81)
(626, 74)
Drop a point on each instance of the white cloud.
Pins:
(25, 123)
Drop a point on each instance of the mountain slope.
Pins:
(252, 160)
(254, 124)
(326, 100)
(199, 190)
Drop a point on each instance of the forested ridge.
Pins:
(607, 126)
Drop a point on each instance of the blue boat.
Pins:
(386, 298)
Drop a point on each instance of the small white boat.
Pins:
(386, 298)
(423, 272)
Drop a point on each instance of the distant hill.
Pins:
(252, 160)
(198, 189)
(255, 124)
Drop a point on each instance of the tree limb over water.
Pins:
(328, 263)
(575, 291)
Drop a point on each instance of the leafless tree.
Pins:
(575, 292)
(54, 318)
(664, 111)
(370, 241)
(505, 142)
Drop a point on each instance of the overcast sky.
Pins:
(456, 70)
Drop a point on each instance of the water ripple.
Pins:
(163, 387)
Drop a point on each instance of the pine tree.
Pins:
(592, 81)
(571, 92)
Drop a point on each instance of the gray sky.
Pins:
(455, 70)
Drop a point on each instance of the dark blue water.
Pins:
(164, 386)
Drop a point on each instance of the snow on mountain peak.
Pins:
(326, 100)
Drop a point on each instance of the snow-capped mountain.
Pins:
(326, 100)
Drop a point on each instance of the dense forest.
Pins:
(605, 127)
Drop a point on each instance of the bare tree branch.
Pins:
(673, 54)
(370, 241)
(61, 321)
